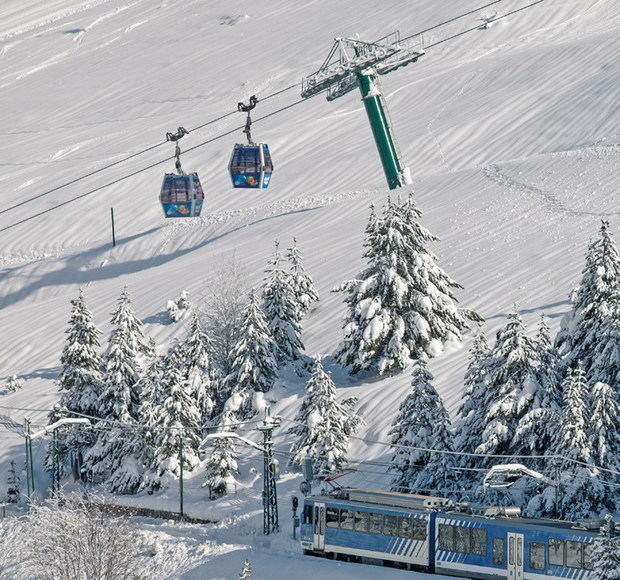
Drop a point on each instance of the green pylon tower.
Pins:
(352, 62)
(271, 523)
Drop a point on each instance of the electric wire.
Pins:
(221, 117)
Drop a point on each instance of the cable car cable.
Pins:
(141, 152)
(226, 115)
(223, 134)
(143, 169)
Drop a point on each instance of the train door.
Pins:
(319, 526)
(515, 556)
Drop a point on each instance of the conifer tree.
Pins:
(12, 484)
(423, 422)
(511, 388)
(119, 401)
(402, 306)
(301, 281)
(178, 419)
(606, 360)
(604, 431)
(538, 427)
(254, 368)
(221, 468)
(581, 491)
(605, 557)
(583, 327)
(196, 369)
(322, 424)
(472, 412)
(282, 312)
(80, 382)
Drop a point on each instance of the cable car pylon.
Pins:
(355, 63)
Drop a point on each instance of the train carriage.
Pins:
(489, 548)
(432, 534)
(360, 525)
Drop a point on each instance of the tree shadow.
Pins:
(541, 309)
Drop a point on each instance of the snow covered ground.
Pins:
(510, 134)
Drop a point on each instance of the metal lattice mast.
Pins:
(352, 62)
(270, 493)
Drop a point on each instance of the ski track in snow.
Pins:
(495, 173)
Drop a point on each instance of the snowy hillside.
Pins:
(511, 135)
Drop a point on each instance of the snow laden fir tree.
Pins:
(322, 424)
(112, 458)
(254, 368)
(594, 310)
(423, 422)
(282, 311)
(80, 383)
(402, 306)
(301, 282)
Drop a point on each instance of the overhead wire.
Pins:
(221, 117)
(133, 155)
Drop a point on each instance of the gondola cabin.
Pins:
(181, 195)
(251, 166)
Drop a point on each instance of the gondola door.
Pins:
(515, 556)
(319, 526)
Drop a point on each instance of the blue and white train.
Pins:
(431, 534)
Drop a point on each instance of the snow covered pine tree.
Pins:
(511, 388)
(402, 306)
(322, 424)
(587, 324)
(221, 468)
(12, 484)
(254, 368)
(606, 554)
(282, 312)
(423, 421)
(301, 281)
(114, 456)
(472, 412)
(80, 384)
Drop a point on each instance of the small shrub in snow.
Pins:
(14, 384)
(12, 484)
(177, 309)
(246, 572)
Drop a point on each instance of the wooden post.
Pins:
(113, 236)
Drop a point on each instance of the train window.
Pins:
(537, 556)
(519, 542)
(478, 542)
(461, 539)
(375, 523)
(574, 554)
(405, 527)
(390, 526)
(556, 552)
(498, 551)
(360, 521)
(418, 526)
(588, 564)
(307, 513)
(446, 537)
(511, 550)
(331, 517)
(346, 520)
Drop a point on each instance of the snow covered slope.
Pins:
(510, 133)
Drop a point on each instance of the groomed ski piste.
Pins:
(510, 133)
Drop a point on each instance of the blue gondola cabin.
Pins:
(251, 166)
(181, 195)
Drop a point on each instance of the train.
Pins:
(434, 535)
